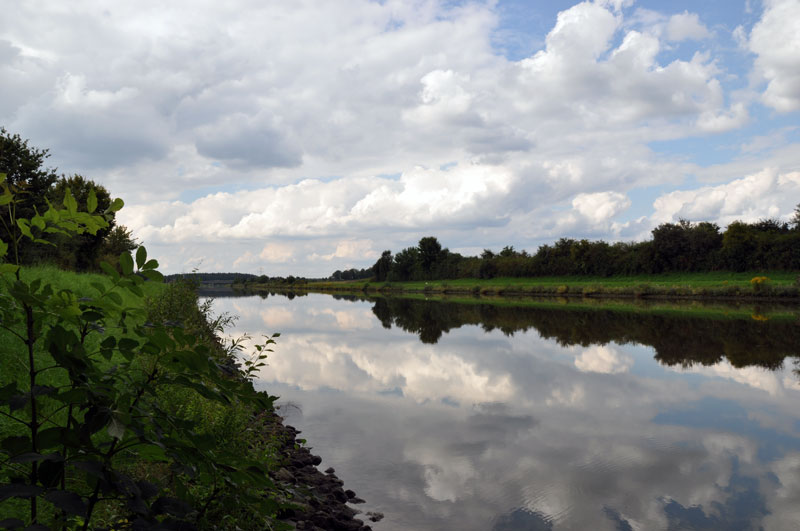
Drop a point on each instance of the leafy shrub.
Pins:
(125, 431)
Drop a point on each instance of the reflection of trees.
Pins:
(677, 340)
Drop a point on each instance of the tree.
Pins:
(382, 266)
(405, 264)
(83, 252)
(28, 180)
(795, 221)
(430, 251)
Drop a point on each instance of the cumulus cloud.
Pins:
(603, 359)
(600, 207)
(775, 39)
(285, 124)
(761, 195)
(686, 26)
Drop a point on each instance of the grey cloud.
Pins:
(116, 137)
(249, 147)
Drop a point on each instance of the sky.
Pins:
(303, 137)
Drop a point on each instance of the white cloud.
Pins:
(686, 26)
(277, 252)
(602, 206)
(775, 39)
(603, 359)
(226, 134)
(764, 194)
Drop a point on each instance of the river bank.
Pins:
(780, 286)
(203, 448)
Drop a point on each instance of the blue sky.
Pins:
(305, 137)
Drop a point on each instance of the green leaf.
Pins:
(116, 428)
(108, 270)
(115, 205)
(98, 286)
(141, 256)
(3, 248)
(38, 221)
(67, 501)
(69, 202)
(8, 269)
(24, 227)
(126, 263)
(6, 198)
(91, 202)
(149, 274)
(150, 264)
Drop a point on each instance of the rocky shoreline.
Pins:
(315, 500)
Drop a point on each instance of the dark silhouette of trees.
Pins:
(29, 180)
(35, 186)
(767, 244)
(382, 266)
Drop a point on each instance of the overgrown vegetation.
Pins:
(36, 188)
(118, 413)
(683, 247)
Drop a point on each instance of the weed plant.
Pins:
(116, 415)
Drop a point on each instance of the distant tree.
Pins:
(508, 251)
(83, 252)
(28, 179)
(382, 266)
(430, 251)
(795, 221)
(738, 246)
(405, 264)
(119, 240)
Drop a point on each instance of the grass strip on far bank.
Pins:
(715, 285)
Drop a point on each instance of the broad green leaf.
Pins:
(24, 227)
(8, 269)
(98, 286)
(150, 264)
(69, 202)
(38, 221)
(115, 205)
(6, 198)
(153, 275)
(116, 428)
(126, 263)
(3, 248)
(3, 178)
(141, 256)
(108, 270)
(91, 202)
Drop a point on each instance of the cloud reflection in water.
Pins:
(484, 430)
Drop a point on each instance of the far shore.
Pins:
(775, 286)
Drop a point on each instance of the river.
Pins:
(484, 417)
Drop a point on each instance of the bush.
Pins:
(124, 429)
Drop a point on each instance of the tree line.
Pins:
(36, 187)
(765, 245)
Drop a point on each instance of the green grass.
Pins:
(12, 358)
(684, 308)
(781, 285)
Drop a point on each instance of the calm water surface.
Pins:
(465, 417)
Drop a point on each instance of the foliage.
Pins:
(35, 188)
(681, 247)
(100, 435)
